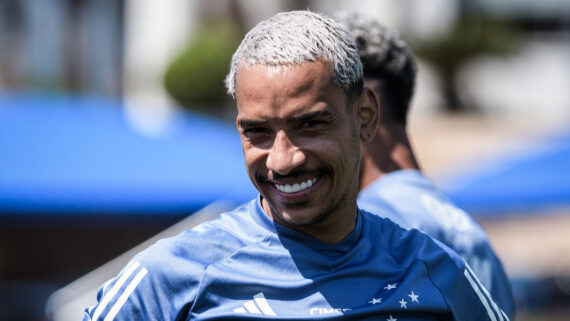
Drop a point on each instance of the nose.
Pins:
(284, 156)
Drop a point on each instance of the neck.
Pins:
(330, 232)
(331, 228)
(389, 151)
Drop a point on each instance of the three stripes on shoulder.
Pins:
(488, 302)
(123, 288)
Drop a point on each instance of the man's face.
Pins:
(301, 142)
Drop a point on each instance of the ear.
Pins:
(368, 111)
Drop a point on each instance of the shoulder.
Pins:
(163, 280)
(407, 244)
(398, 185)
(413, 201)
(399, 179)
(221, 236)
(404, 245)
(397, 196)
(421, 256)
(188, 254)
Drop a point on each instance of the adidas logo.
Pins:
(258, 305)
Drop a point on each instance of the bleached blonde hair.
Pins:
(296, 37)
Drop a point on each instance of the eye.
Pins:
(313, 124)
(253, 130)
(260, 137)
(255, 133)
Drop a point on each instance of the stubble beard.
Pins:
(323, 215)
(304, 220)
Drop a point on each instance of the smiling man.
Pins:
(302, 250)
(298, 131)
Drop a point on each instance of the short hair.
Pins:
(386, 57)
(297, 37)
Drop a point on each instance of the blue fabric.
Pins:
(245, 266)
(79, 155)
(411, 200)
(525, 183)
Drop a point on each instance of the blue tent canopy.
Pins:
(530, 182)
(79, 155)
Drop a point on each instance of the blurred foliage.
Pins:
(195, 78)
(471, 36)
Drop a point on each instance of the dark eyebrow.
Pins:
(311, 115)
(247, 123)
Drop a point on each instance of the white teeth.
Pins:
(287, 188)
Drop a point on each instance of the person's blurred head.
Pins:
(389, 68)
(302, 117)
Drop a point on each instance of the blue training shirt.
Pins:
(245, 266)
(411, 200)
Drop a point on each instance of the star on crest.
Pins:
(374, 301)
(390, 286)
(414, 297)
(403, 303)
(391, 318)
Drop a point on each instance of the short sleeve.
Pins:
(128, 296)
(466, 296)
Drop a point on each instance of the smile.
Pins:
(297, 187)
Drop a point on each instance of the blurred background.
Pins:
(115, 129)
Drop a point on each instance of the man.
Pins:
(302, 250)
(391, 181)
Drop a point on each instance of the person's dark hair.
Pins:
(385, 57)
